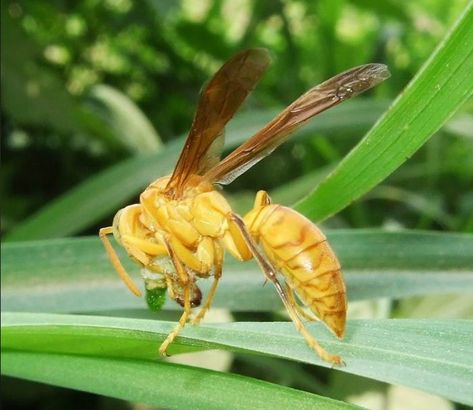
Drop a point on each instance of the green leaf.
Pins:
(124, 117)
(107, 191)
(75, 275)
(432, 355)
(159, 384)
(437, 91)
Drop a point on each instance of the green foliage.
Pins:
(411, 352)
(441, 86)
(77, 276)
(96, 99)
(158, 383)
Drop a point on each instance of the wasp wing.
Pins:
(323, 96)
(218, 102)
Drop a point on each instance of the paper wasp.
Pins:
(180, 229)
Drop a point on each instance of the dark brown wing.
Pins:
(219, 101)
(323, 96)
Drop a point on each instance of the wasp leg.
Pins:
(116, 261)
(180, 325)
(144, 247)
(217, 276)
(299, 308)
(270, 274)
(181, 271)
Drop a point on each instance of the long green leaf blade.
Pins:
(159, 384)
(437, 91)
(432, 355)
(129, 124)
(75, 275)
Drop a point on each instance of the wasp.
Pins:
(182, 226)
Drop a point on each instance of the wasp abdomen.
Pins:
(299, 250)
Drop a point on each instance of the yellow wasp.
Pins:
(180, 229)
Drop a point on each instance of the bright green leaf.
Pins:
(159, 384)
(432, 355)
(123, 116)
(71, 275)
(437, 91)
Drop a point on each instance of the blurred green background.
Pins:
(81, 79)
(88, 84)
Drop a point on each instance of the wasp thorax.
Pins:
(195, 185)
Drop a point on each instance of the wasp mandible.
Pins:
(180, 229)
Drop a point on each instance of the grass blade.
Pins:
(432, 355)
(158, 384)
(437, 91)
(74, 275)
(124, 117)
